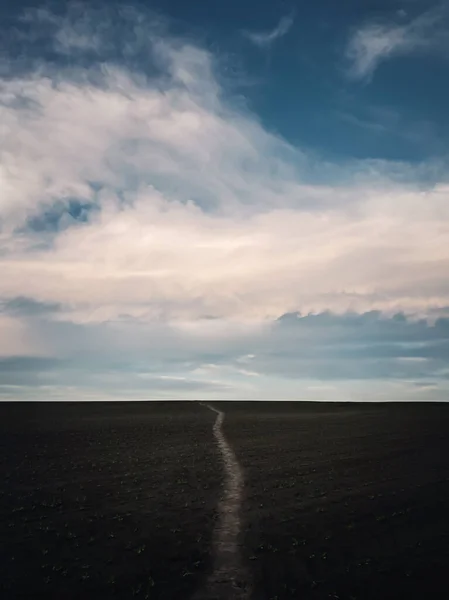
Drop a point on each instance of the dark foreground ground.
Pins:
(103, 501)
(119, 500)
(345, 502)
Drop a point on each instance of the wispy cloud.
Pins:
(374, 43)
(264, 39)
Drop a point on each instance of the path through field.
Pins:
(229, 580)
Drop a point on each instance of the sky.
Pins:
(224, 200)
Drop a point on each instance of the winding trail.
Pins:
(229, 580)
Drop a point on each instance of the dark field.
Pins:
(119, 500)
(345, 502)
(106, 500)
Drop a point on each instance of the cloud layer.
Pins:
(325, 356)
(142, 210)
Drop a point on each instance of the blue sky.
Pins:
(224, 200)
(294, 80)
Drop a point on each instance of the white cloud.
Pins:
(267, 38)
(374, 43)
(200, 212)
(161, 258)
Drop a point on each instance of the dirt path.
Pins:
(229, 580)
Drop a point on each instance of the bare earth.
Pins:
(268, 501)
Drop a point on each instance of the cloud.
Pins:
(143, 215)
(374, 43)
(167, 259)
(152, 197)
(322, 356)
(265, 39)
